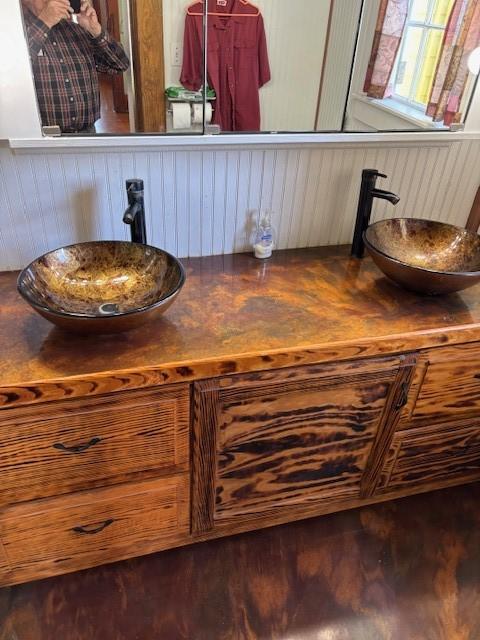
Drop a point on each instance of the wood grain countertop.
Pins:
(235, 314)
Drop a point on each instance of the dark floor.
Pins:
(405, 570)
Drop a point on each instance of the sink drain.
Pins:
(108, 309)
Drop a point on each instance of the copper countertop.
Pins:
(308, 299)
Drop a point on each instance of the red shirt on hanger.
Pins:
(237, 61)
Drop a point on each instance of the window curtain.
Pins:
(386, 43)
(462, 36)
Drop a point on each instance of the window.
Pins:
(420, 49)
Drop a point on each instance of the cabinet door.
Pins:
(432, 456)
(295, 437)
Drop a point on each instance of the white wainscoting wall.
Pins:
(200, 202)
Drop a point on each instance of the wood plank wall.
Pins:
(149, 64)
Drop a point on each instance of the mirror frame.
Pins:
(20, 120)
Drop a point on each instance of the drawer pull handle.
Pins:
(86, 530)
(80, 448)
(403, 399)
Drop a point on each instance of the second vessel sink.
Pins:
(424, 255)
(102, 287)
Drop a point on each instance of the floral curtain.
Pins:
(388, 35)
(462, 36)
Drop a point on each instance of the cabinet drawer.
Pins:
(432, 456)
(81, 530)
(74, 445)
(450, 385)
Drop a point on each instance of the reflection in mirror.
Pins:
(131, 66)
(274, 65)
(108, 66)
(71, 54)
(184, 98)
(414, 65)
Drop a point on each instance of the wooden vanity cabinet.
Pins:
(93, 480)
(183, 431)
(272, 442)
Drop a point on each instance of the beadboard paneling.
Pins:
(203, 202)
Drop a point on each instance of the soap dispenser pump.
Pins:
(264, 237)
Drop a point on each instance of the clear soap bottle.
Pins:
(264, 236)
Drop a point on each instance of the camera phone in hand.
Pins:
(76, 5)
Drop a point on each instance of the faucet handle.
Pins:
(374, 173)
(135, 185)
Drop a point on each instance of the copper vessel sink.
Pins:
(425, 256)
(102, 287)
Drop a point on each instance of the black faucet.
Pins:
(135, 214)
(367, 193)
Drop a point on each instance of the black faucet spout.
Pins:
(131, 212)
(385, 195)
(368, 192)
(135, 213)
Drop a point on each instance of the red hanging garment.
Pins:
(237, 61)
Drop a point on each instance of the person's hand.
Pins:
(55, 11)
(87, 18)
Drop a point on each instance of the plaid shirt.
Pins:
(66, 61)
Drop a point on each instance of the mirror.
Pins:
(271, 65)
(416, 65)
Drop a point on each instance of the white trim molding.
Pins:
(261, 140)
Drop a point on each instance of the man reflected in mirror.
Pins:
(67, 54)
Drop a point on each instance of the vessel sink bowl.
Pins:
(424, 255)
(102, 287)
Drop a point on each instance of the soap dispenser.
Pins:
(264, 236)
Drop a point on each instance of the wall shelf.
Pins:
(276, 140)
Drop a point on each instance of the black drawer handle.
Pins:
(403, 399)
(86, 530)
(80, 448)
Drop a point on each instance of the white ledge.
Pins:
(402, 111)
(165, 142)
